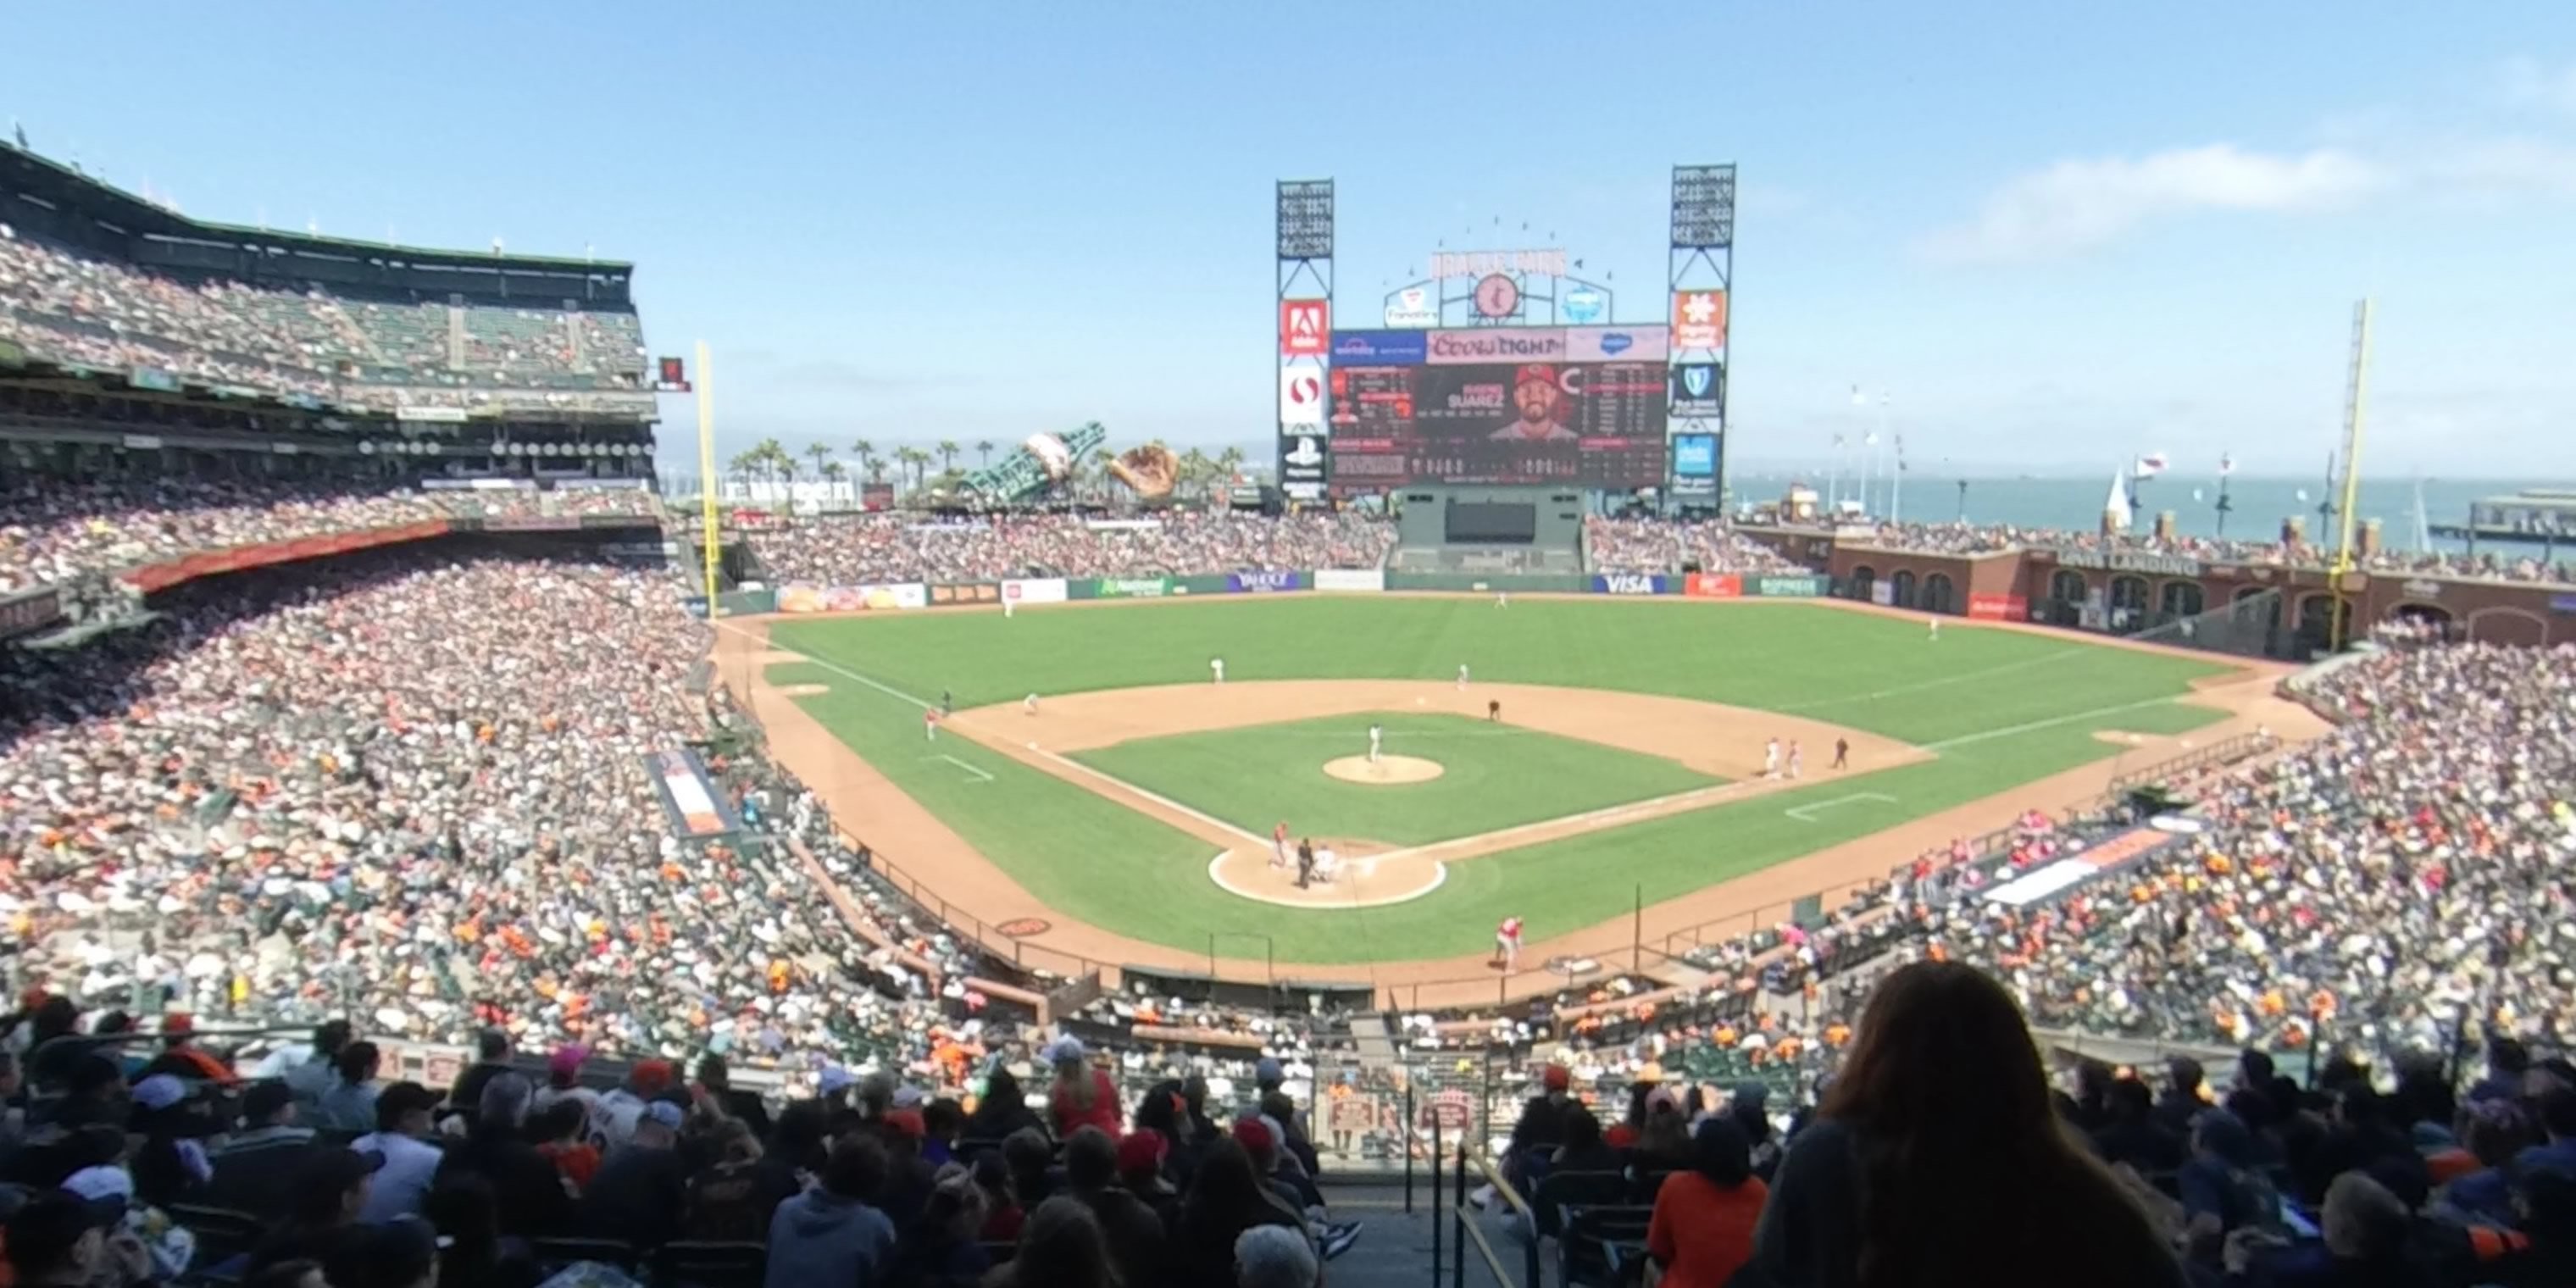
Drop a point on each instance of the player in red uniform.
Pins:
(1279, 845)
(1507, 943)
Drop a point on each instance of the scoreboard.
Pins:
(1589, 424)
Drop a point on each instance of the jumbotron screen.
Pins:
(1588, 424)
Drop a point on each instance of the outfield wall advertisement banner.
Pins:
(979, 592)
(1634, 583)
(852, 599)
(1351, 580)
(1130, 588)
(1790, 587)
(1709, 585)
(1998, 608)
(1260, 582)
(1040, 590)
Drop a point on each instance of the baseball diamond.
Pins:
(1628, 787)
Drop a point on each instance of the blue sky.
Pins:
(2053, 235)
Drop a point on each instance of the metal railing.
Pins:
(1454, 1210)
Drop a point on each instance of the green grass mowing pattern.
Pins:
(1496, 776)
(1117, 869)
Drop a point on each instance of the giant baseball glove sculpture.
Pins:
(1148, 471)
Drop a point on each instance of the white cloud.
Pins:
(2077, 205)
(2503, 167)
(2528, 84)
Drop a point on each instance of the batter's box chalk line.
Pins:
(980, 775)
(1807, 813)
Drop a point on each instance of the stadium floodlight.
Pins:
(1703, 207)
(1306, 219)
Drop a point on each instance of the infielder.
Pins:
(1375, 734)
(1507, 943)
(1216, 668)
(1279, 845)
(1771, 758)
(1794, 760)
(1029, 705)
(1462, 675)
(930, 724)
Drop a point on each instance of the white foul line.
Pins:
(961, 765)
(833, 667)
(1807, 813)
(2050, 723)
(1159, 799)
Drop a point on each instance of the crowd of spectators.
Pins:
(853, 550)
(1662, 545)
(69, 306)
(1994, 538)
(55, 531)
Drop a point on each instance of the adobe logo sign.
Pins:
(1304, 327)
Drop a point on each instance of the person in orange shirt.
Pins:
(1702, 1230)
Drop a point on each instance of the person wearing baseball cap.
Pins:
(60, 1237)
(252, 1168)
(403, 1136)
(327, 1195)
(641, 1191)
(1541, 400)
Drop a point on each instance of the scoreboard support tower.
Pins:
(1305, 277)
(1702, 260)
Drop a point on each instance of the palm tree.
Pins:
(1194, 470)
(984, 452)
(743, 466)
(867, 454)
(771, 455)
(819, 454)
(917, 459)
(875, 466)
(1099, 472)
(948, 450)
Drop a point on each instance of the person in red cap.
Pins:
(1540, 1130)
(183, 1058)
(1542, 403)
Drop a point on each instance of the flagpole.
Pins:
(1895, 475)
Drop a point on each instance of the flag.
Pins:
(2149, 466)
(2226, 465)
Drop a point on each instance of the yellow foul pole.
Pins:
(708, 541)
(2355, 416)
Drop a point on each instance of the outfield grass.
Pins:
(1999, 707)
(1495, 776)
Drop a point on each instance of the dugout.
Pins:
(1499, 529)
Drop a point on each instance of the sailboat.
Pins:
(2115, 508)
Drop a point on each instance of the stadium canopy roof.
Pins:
(69, 194)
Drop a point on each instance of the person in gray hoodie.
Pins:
(831, 1234)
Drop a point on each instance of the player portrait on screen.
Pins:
(1542, 405)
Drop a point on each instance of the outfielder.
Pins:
(1375, 734)
(1216, 668)
(1935, 624)
(930, 724)
(1502, 599)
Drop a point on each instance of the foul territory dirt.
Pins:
(1719, 740)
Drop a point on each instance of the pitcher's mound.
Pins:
(1385, 771)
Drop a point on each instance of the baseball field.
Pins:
(1094, 781)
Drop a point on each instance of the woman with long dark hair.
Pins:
(1004, 1109)
(1702, 1231)
(1062, 1247)
(1226, 1198)
(1938, 1158)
